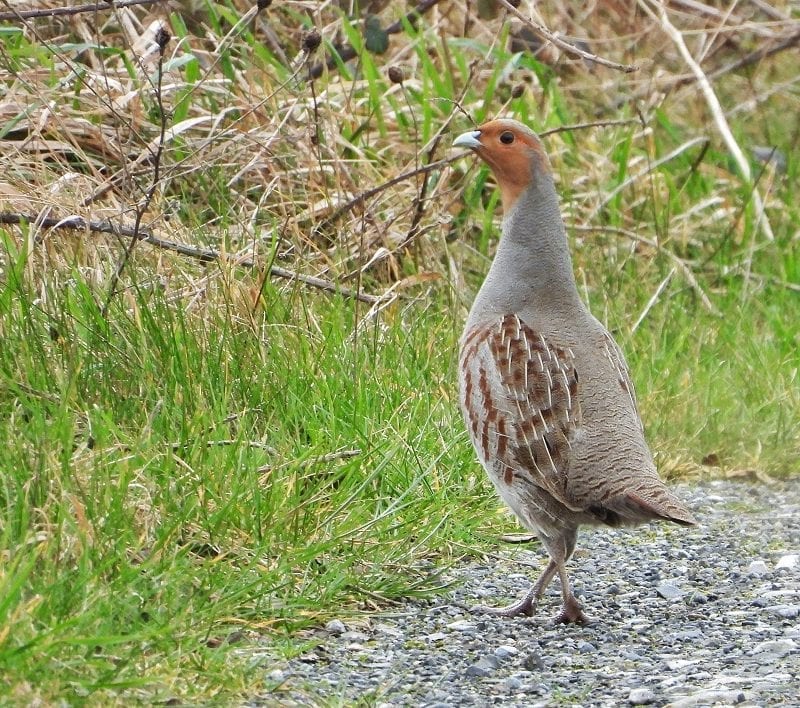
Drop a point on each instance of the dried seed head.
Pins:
(517, 91)
(162, 38)
(312, 40)
(263, 4)
(396, 75)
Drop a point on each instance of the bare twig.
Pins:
(225, 443)
(346, 53)
(650, 167)
(659, 13)
(367, 194)
(76, 10)
(311, 461)
(200, 254)
(162, 39)
(653, 300)
(422, 169)
(682, 265)
(419, 202)
(757, 55)
(590, 124)
(549, 36)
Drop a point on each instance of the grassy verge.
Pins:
(200, 459)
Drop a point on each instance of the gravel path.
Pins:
(684, 617)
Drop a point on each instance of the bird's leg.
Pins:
(561, 551)
(571, 612)
(527, 604)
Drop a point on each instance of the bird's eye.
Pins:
(507, 137)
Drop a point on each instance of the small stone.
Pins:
(533, 662)
(688, 635)
(788, 561)
(491, 660)
(503, 652)
(678, 664)
(785, 611)
(436, 637)
(277, 676)
(586, 647)
(462, 626)
(483, 667)
(335, 627)
(352, 636)
(779, 647)
(708, 697)
(757, 568)
(669, 592)
(641, 696)
(389, 631)
(512, 683)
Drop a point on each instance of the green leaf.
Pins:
(376, 39)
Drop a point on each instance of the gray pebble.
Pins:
(335, 627)
(669, 591)
(484, 667)
(352, 636)
(742, 644)
(785, 611)
(533, 661)
(641, 697)
(462, 625)
(505, 651)
(708, 697)
(512, 683)
(781, 647)
(757, 568)
(788, 562)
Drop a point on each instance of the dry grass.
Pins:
(179, 409)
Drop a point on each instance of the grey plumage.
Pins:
(545, 390)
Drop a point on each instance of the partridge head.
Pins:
(544, 389)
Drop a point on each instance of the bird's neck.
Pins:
(532, 270)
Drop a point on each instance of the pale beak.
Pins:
(470, 140)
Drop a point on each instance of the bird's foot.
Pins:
(571, 613)
(525, 606)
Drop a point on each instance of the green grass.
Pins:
(162, 489)
(223, 459)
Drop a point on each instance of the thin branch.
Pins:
(653, 300)
(650, 168)
(659, 13)
(590, 124)
(76, 10)
(423, 169)
(225, 443)
(758, 54)
(162, 38)
(682, 264)
(318, 460)
(422, 196)
(200, 254)
(367, 194)
(549, 36)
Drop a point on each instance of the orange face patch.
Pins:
(515, 155)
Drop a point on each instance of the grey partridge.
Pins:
(544, 388)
